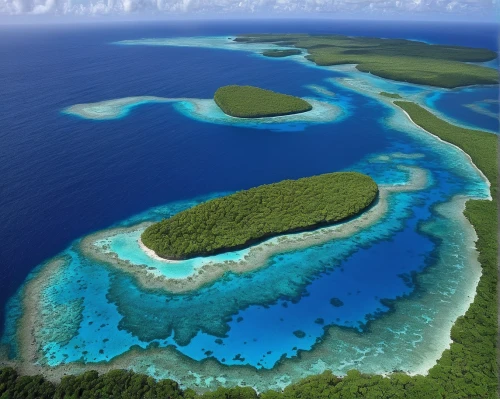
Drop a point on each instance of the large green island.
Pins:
(397, 59)
(254, 102)
(246, 217)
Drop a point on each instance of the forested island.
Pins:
(281, 53)
(390, 95)
(246, 217)
(397, 59)
(254, 102)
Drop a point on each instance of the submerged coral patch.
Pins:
(378, 293)
(206, 110)
(112, 109)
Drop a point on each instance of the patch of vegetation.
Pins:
(281, 53)
(467, 370)
(396, 59)
(238, 220)
(253, 102)
(481, 146)
(390, 95)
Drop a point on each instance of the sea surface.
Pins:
(63, 177)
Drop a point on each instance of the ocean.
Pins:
(63, 177)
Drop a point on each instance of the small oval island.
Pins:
(236, 221)
(254, 102)
(281, 53)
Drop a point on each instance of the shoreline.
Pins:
(152, 254)
(129, 359)
(188, 372)
(257, 256)
(483, 176)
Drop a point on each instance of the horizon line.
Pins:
(31, 19)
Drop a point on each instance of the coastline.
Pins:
(195, 374)
(257, 255)
(483, 176)
(133, 357)
(152, 254)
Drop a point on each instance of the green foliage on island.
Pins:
(249, 216)
(253, 102)
(281, 53)
(396, 59)
(390, 95)
(481, 146)
(467, 370)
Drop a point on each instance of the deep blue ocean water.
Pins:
(62, 178)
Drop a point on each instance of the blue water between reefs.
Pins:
(64, 177)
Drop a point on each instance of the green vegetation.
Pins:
(253, 102)
(481, 146)
(390, 95)
(114, 384)
(246, 217)
(281, 53)
(396, 59)
(467, 370)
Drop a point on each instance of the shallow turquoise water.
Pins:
(262, 317)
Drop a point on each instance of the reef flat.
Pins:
(482, 108)
(168, 363)
(209, 269)
(113, 109)
(206, 337)
(206, 110)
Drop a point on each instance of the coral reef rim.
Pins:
(426, 342)
(206, 110)
(373, 312)
(183, 276)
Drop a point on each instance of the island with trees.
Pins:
(397, 59)
(390, 95)
(254, 102)
(250, 216)
(281, 53)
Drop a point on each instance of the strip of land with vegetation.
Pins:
(254, 102)
(467, 370)
(247, 217)
(397, 59)
(390, 95)
(281, 53)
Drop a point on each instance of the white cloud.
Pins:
(118, 7)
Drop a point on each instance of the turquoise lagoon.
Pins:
(380, 299)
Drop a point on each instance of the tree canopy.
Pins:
(248, 216)
(254, 102)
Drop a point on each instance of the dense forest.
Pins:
(253, 102)
(390, 95)
(281, 53)
(248, 216)
(396, 59)
(467, 370)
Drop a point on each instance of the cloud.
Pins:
(127, 7)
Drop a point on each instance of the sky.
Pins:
(61, 10)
